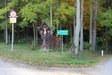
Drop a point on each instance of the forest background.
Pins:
(95, 21)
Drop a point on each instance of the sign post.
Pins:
(62, 44)
(12, 21)
(62, 32)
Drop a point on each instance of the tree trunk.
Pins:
(57, 13)
(34, 32)
(6, 29)
(106, 40)
(6, 34)
(74, 22)
(91, 24)
(51, 16)
(94, 26)
(36, 35)
(81, 32)
(77, 28)
(9, 38)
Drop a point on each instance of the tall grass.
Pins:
(25, 54)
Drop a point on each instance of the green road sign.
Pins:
(62, 32)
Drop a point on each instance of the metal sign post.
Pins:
(12, 21)
(62, 44)
(62, 32)
(12, 37)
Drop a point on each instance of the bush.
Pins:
(2, 39)
(86, 45)
(55, 42)
(25, 40)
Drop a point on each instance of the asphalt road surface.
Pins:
(7, 68)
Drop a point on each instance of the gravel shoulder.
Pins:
(10, 68)
(7, 68)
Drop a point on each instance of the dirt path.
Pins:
(7, 68)
(104, 68)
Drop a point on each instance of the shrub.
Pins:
(25, 40)
(86, 45)
(55, 42)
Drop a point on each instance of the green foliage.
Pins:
(25, 40)
(2, 25)
(110, 32)
(37, 10)
(9, 6)
(28, 12)
(66, 10)
(31, 12)
(100, 43)
(23, 23)
(4, 10)
(86, 46)
(105, 18)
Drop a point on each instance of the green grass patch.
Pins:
(25, 54)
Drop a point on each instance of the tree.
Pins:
(91, 24)
(77, 28)
(81, 32)
(105, 19)
(7, 6)
(51, 15)
(94, 25)
(34, 11)
(6, 30)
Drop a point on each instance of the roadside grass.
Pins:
(24, 53)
